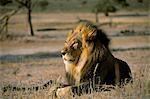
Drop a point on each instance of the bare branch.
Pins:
(23, 2)
(5, 18)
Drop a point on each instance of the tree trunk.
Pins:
(30, 22)
(96, 17)
(110, 21)
(7, 19)
(106, 14)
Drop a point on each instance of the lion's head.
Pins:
(73, 47)
(84, 35)
(77, 39)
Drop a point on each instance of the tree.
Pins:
(43, 4)
(28, 5)
(140, 1)
(122, 3)
(107, 6)
(5, 2)
(7, 13)
(104, 6)
(4, 23)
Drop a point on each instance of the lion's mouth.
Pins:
(68, 60)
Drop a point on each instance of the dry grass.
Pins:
(32, 72)
(139, 89)
(35, 60)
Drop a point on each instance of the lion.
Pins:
(89, 62)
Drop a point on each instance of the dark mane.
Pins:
(103, 38)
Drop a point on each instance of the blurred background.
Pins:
(32, 33)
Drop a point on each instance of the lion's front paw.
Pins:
(63, 92)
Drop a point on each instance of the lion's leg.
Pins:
(84, 88)
(80, 89)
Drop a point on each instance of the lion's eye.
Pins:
(65, 42)
(75, 46)
(72, 31)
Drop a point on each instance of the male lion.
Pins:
(89, 62)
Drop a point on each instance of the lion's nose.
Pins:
(63, 52)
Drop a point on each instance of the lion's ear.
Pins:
(92, 35)
(89, 34)
(88, 37)
(70, 33)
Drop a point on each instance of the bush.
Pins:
(5, 2)
(43, 4)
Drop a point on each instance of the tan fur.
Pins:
(87, 58)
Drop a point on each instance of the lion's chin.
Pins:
(68, 61)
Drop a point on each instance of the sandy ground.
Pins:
(34, 60)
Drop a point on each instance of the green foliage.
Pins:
(5, 2)
(81, 5)
(123, 3)
(43, 4)
(140, 1)
(120, 1)
(105, 6)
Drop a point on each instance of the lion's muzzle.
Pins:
(63, 52)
